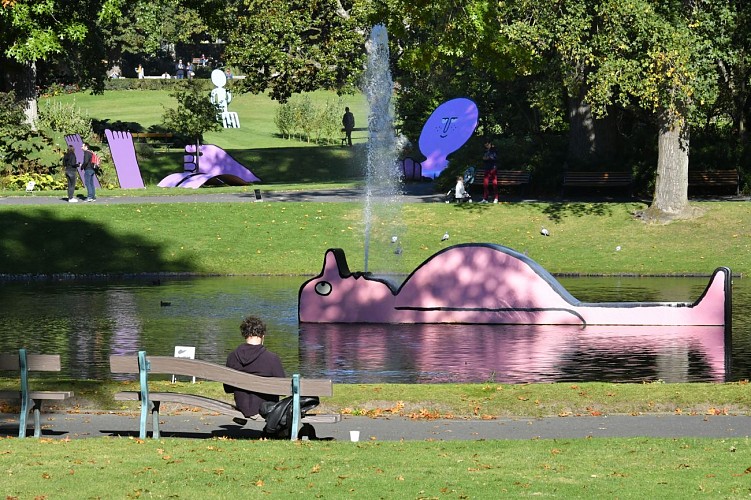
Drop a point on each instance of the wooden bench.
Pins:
(714, 179)
(157, 139)
(31, 400)
(356, 129)
(505, 177)
(597, 180)
(144, 365)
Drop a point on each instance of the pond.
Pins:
(86, 321)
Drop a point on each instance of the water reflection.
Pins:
(452, 353)
(87, 321)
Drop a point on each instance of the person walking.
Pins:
(139, 71)
(491, 172)
(348, 122)
(88, 173)
(71, 173)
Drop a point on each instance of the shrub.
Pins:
(66, 119)
(22, 149)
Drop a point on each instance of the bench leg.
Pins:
(37, 410)
(22, 420)
(155, 419)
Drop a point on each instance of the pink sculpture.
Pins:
(214, 164)
(445, 131)
(489, 284)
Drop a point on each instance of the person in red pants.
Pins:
(491, 171)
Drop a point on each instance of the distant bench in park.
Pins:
(505, 177)
(156, 139)
(144, 365)
(597, 180)
(22, 364)
(703, 179)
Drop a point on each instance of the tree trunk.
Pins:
(671, 184)
(27, 92)
(591, 141)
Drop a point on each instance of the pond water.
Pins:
(86, 321)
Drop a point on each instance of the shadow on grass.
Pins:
(556, 212)
(41, 242)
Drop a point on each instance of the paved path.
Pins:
(199, 425)
(414, 193)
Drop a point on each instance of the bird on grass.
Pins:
(162, 303)
(544, 232)
(394, 239)
(445, 236)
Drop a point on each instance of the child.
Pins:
(460, 193)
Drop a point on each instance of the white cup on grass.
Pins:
(354, 436)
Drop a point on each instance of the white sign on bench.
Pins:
(182, 351)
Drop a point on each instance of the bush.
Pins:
(302, 118)
(66, 119)
(22, 149)
(43, 181)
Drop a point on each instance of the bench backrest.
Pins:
(203, 369)
(728, 176)
(34, 362)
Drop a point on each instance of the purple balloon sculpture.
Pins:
(214, 164)
(124, 157)
(447, 129)
(77, 143)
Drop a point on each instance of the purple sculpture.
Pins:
(214, 165)
(483, 283)
(447, 129)
(411, 170)
(77, 143)
(124, 157)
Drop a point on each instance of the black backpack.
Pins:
(278, 416)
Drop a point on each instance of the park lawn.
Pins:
(219, 468)
(461, 401)
(142, 109)
(291, 238)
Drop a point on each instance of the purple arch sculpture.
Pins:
(483, 283)
(447, 129)
(77, 143)
(124, 157)
(215, 165)
(411, 170)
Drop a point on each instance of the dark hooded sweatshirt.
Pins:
(257, 360)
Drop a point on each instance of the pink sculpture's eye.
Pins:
(323, 288)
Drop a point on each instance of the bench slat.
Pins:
(212, 405)
(203, 369)
(34, 362)
(47, 395)
(505, 177)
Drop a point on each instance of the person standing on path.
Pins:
(88, 172)
(71, 173)
(491, 172)
(348, 122)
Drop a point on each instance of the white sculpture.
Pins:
(222, 97)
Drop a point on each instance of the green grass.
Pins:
(455, 400)
(180, 468)
(291, 238)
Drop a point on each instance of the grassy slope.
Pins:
(291, 238)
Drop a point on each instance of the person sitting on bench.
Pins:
(252, 357)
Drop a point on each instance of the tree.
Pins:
(661, 58)
(39, 30)
(194, 116)
(291, 46)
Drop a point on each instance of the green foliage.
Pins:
(302, 117)
(43, 182)
(293, 46)
(195, 113)
(21, 149)
(66, 119)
